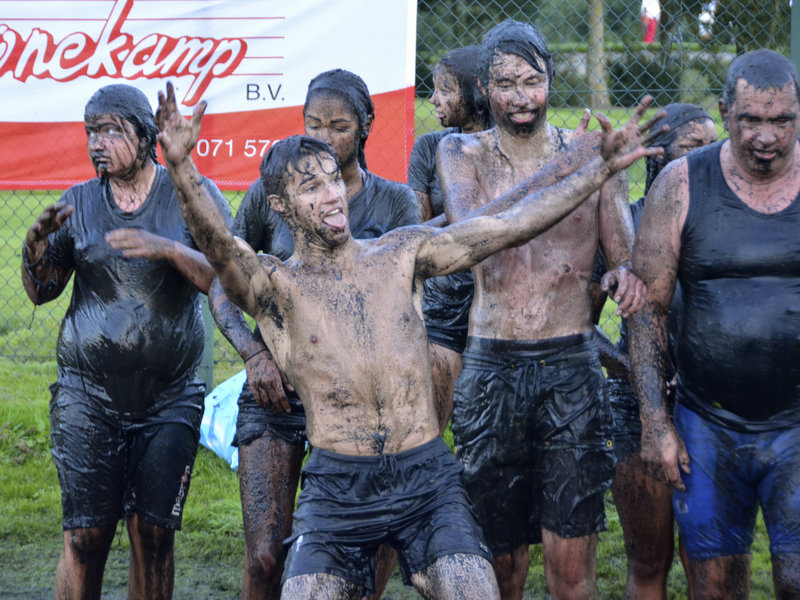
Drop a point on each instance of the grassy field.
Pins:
(209, 549)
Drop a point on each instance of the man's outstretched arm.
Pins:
(655, 259)
(234, 261)
(466, 243)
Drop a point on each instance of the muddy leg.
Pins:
(644, 506)
(83, 559)
(269, 469)
(457, 577)
(152, 568)
(723, 577)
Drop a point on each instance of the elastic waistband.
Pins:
(412, 455)
(532, 347)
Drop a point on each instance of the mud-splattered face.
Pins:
(329, 119)
(694, 134)
(448, 98)
(113, 146)
(763, 127)
(317, 199)
(517, 94)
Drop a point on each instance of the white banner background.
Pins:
(251, 60)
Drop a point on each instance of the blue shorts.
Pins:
(350, 505)
(732, 473)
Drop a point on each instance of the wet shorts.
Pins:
(110, 467)
(446, 301)
(732, 473)
(532, 428)
(350, 505)
(254, 421)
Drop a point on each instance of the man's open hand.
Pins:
(177, 136)
(622, 147)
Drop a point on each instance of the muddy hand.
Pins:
(138, 243)
(622, 147)
(665, 456)
(51, 219)
(177, 136)
(266, 383)
(626, 289)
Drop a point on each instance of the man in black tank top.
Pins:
(723, 221)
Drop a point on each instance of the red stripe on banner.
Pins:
(53, 155)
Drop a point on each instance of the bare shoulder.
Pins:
(670, 190)
(465, 145)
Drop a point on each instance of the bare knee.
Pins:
(570, 565)
(87, 545)
(511, 571)
(150, 540)
(725, 577)
(265, 563)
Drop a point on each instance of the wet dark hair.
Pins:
(463, 64)
(513, 37)
(130, 104)
(352, 90)
(763, 69)
(287, 153)
(678, 115)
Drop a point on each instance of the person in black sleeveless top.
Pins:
(723, 221)
(644, 504)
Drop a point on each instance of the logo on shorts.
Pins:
(177, 508)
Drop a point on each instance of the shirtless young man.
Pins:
(530, 421)
(270, 428)
(723, 222)
(343, 319)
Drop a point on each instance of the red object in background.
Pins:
(650, 27)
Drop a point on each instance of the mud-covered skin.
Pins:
(554, 302)
(268, 495)
(128, 347)
(540, 289)
(760, 164)
(343, 316)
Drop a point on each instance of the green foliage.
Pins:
(635, 74)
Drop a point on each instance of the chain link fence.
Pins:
(608, 53)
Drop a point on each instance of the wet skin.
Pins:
(761, 164)
(448, 98)
(540, 289)
(329, 119)
(343, 316)
(644, 504)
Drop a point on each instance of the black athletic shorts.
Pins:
(533, 430)
(254, 421)
(446, 301)
(110, 467)
(350, 505)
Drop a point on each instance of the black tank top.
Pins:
(739, 270)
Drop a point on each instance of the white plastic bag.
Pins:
(219, 419)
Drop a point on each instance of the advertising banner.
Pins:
(251, 60)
